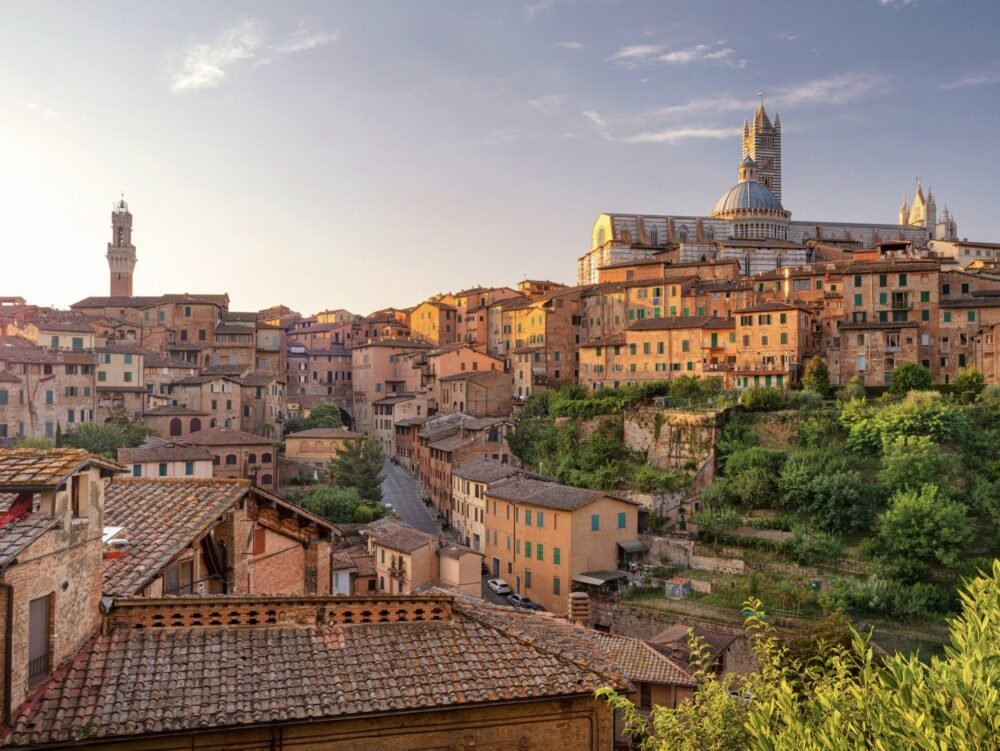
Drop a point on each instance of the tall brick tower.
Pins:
(121, 251)
(762, 143)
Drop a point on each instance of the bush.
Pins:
(816, 377)
(970, 379)
(804, 401)
(909, 376)
(762, 399)
(807, 545)
(923, 526)
(855, 389)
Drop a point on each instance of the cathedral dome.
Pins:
(748, 195)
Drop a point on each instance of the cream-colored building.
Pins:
(159, 458)
(469, 484)
(406, 558)
(317, 446)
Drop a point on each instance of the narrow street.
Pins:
(402, 491)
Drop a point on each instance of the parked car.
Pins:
(499, 586)
(520, 601)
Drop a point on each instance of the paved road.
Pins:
(402, 490)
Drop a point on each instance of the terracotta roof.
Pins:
(877, 267)
(234, 328)
(301, 672)
(261, 378)
(767, 307)
(324, 433)
(43, 469)
(484, 470)
(547, 493)
(875, 325)
(225, 437)
(641, 662)
(6, 377)
(226, 369)
(17, 535)
(161, 518)
(452, 442)
(398, 536)
(479, 375)
(682, 322)
(174, 409)
(400, 343)
(164, 451)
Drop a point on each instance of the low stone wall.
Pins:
(700, 586)
(680, 552)
(671, 439)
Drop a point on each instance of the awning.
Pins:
(633, 546)
(599, 578)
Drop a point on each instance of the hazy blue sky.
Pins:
(364, 154)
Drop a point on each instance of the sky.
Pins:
(359, 155)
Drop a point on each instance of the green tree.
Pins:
(855, 389)
(294, 424)
(842, 699)
(970, 379)
(816, 376)
(323, 416)
(762, 399)
(359, 465)
(923, 527)
(912, 461)
(107, 438)
(335, 504)
(909, 376)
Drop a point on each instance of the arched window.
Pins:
(251, 458)
(213, 423)
(654, 236)
(215, 460)
(710, 233)
(175, 426)
(682, 233)
(195, 424)
(230, 458)
(265, 458)
(265, 479)
(600, 237)
(229, 422)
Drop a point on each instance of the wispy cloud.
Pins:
(532, 9)
(574, 45)
(714, 52)
(594, 117)
(832, 90)
(498, 137)
(547, 105)
(986, 77)
(788, 37)
(673, 135)
(895, 3)
(207, 65)
(39, 109)
(635, 55)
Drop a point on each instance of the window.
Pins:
(965, 288)
(859, 300)
(540, 519)
(556, 585)
(556, 556)
(621, 520)
(128, 377)
(39, 637)
(882, 298)
(883, 280)
(136, 470)
(902, 280)
(857, 281)
(947, 316)
(177, 579)
(49, 396)
(595, 522)
(971, 316)
(645, 695)
(925, 315)
(188, 468)
(925, 297)
(539, 552)
(3, 397)
(527, 549)
(527, 517)
(783, 337)
(230, 458)
(527, 579)
(265, 458)
(163, 469)
(102, 376)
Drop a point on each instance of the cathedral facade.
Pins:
(749, 223)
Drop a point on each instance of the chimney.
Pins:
(579, 608)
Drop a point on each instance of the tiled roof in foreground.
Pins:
(46, 468)
(309, 661)
(161, 517)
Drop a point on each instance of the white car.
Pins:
(499, 586)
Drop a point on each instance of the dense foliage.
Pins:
(816, 376)
(338, 504)
(577, 436)
(106, 439)
(323, 416)
(359, 465)
(824, 695)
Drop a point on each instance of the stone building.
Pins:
(239, 455)
(121, 251)
(184, 536)
(157, 457)
(469, 484)
(51, 517)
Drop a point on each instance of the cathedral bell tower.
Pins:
(762, 143)
(121, 251)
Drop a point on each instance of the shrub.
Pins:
(816, 377)
(909, 376)
(762, 399)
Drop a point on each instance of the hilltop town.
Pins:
(448, 524)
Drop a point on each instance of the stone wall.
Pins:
(672, 440)
(681, 552)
